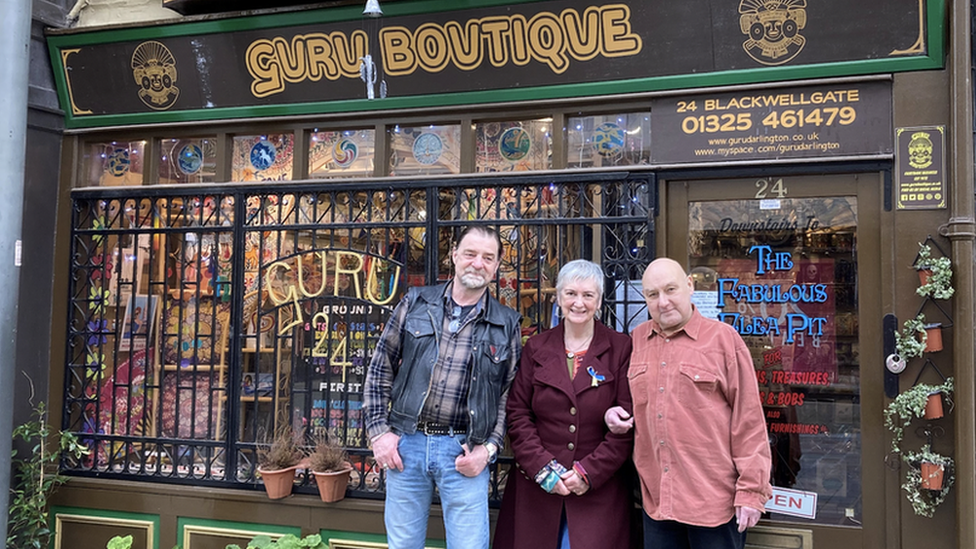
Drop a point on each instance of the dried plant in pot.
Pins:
(330, 465)
(278, 460)
(912, 404)
(930, 476)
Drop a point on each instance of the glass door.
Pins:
(779, 258)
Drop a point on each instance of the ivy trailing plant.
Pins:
(924, 502)
(36, 479)
(910, 342)
(287, 541)
(910, 405)
(939, 285)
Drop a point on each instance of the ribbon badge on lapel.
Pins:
(595, 378)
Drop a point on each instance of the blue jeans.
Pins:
(669, 534)
(428, 461)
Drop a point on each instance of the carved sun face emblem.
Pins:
(773, 29)
(154, 70)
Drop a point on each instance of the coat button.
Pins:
(571, 446)
(572, 411)
(572, 428)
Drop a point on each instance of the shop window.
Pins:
(338, 154)
(189, 160)
(201, 323)
(425, 150)
(265, 157)
(608, 140)
(113, 164)
(513, 146)
(783, 272)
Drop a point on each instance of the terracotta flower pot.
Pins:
(278, 483)
(924, 274)
(933, 406)
(932, 474)
(933, 341)
(332, 485)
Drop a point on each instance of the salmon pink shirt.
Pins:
(700, 444)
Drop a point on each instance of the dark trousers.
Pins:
(668, 534)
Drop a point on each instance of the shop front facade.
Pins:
(245, 198)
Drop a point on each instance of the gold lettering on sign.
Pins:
(313, 56)
(549, 38)
(287, 284)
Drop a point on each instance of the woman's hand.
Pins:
(574, 483)
(618, 420)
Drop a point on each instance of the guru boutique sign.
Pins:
(319, 58)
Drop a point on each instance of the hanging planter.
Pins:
(278, 482)
(910, 342)
(934, 274)
(933, 337)
(930, 476)
(910, 405)
(933, 406)
(330, 465)
(332, 485)
(278, 461)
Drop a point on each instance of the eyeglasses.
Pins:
(455, 324)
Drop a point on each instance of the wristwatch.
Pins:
(492, 451)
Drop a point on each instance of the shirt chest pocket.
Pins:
(697, 386)
(418, 327)
(639, 379)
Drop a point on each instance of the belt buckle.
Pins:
(432, 429)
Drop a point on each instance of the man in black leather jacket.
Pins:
(435, 397)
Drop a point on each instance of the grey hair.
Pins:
(580, 270)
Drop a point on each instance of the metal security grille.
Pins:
(202, 322)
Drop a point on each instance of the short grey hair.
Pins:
(581, 270)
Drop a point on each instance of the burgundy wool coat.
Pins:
(553, 416)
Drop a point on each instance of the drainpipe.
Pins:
(15, 43)
(961, 232)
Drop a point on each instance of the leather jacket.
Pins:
(493, 329)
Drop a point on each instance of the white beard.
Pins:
(473, 281)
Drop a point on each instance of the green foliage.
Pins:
(910, 405)
(910, 342)
(939, 285)
(36, 479)
(924, 502)
(119, 542)
(287, 541)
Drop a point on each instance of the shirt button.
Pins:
(668, 340)
(571, 446)
(665, 469)
(572, 411)
(659, 416)
(661, 390)
(697, 377)
(662, 443)
(572, 428)
(663, 364)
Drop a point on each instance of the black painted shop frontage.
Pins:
(247, 196)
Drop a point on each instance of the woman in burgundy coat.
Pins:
(567, 488)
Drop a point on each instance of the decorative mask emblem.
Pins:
(154, 70)
(920, 150)
(773, 28)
